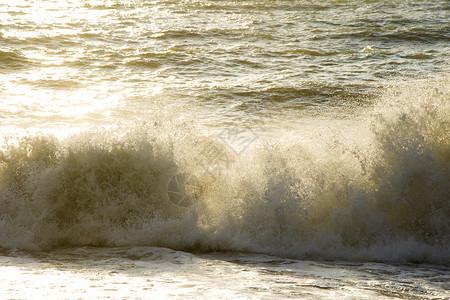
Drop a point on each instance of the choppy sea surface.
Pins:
(225, 149)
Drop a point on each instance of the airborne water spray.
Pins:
(382, 196)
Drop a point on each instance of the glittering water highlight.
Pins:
(153, 148)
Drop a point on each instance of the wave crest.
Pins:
(334, 198)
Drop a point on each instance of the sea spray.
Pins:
(382, 196)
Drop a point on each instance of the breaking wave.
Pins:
(384, 197)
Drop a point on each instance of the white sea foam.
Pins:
(382, 196)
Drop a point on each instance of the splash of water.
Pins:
(336, 197)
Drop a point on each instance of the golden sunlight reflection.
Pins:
(56, 112)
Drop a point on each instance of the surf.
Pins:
(381, 196)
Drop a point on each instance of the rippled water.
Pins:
(147, 272)
(224, 149)
(66, 63)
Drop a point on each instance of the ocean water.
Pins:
(225, 149)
